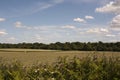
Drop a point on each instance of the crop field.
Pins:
(28, 64)
(30, 56)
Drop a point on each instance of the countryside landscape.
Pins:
(60, 61)
(59, 39)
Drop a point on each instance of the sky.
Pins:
(50, 21)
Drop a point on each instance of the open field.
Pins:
(88, 65)
(30, 56)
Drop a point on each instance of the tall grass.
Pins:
(65, 68)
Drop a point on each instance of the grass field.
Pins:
(30, 56)
(88, 65)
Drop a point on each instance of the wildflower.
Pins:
(45, 69)
(52, 72)
(36, 71)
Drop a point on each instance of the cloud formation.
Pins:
(89, 17)
(98, 30)
(68, 27)
(80, 20)
(112, 7)
(3, 33)
(115, 23)
(2, 19)
(18, 24)
(110, 35)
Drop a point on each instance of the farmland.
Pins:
(33, 64)
(30, 56)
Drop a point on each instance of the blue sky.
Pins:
(48, 21)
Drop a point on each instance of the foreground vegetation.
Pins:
(94, 46)
(65, 68)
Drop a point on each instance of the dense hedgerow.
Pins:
(87, 68)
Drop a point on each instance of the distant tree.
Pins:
(95, 46)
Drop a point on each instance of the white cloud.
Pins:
(115, 29)
(68, 27)
(112, 7)
(18, 24)
(2, 19)
(98, 30)
(79, 20)
(115, 23)
(104, 30)
(89, 17)
(110, 35)
(95, 30)
(3, 33)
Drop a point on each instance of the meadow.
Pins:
(32, 64)
(30, 56)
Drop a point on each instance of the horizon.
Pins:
(51, 21)
(59, 42)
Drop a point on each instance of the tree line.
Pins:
(89, 46)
